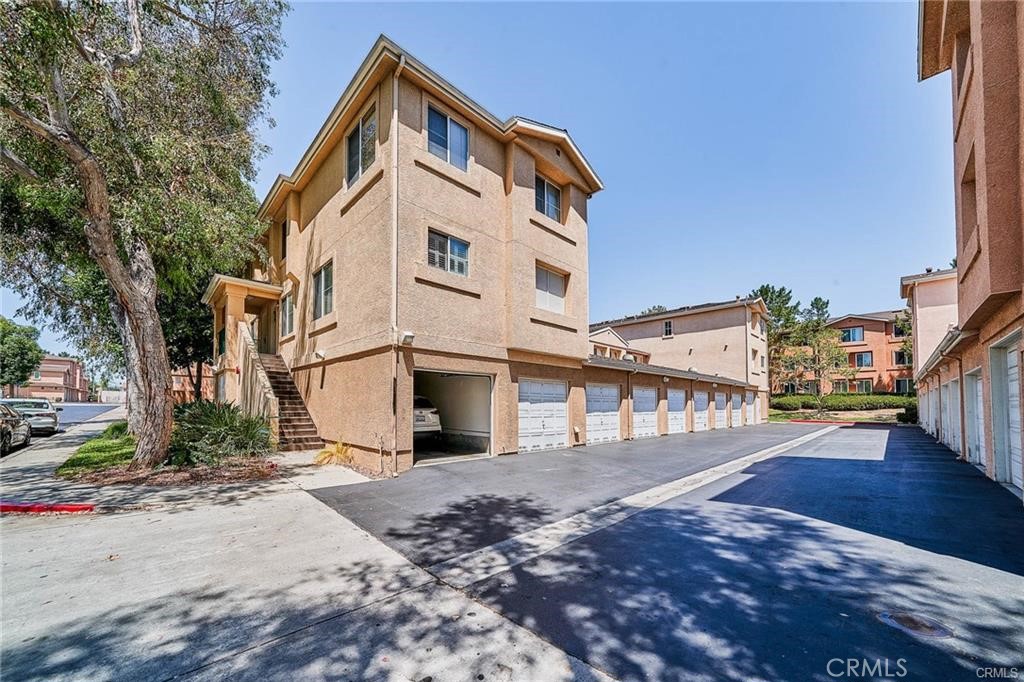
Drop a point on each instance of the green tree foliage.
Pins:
(20, 353)
(817, 354)
(653, 310)
(783, 315)
(904, 323)
(128, 143)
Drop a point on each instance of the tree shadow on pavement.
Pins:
(917, 494)
(423, 631)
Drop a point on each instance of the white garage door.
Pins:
(720, 416)
(944, 418)
(645, 412)
(750, 407)
(954, 416)
(700, 411)
(1013, 403)
(676, 410)
(737, 410)
(602, 413)
(542, 416)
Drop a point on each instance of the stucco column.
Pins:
(232, 306)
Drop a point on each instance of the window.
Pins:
(323, 291)
(287, 315)
(762, 362)
(899, 357)
(667, 331)
(550, 290)
(35, 374)
(284, 239)
(548, 198)
(222, 343)
(447, 253)
(362, 145)
(863, 359)
(761, 325)
(863, 385)
(852, 334)
(898, 330)
(447, 140)
(904, 385)
(789, 387)
(841, 386)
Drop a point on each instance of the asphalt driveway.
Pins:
(424, 513)
(782, 571)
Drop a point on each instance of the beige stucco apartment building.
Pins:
(57, 378)
(972, 382)
(426, 255)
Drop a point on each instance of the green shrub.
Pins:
(115, 430)
(908, 415)
(840, 402)
(206, 432)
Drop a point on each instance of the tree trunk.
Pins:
(198, 384)
(132, 388)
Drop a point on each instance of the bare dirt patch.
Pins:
(227, 472)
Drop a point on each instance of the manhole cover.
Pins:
(915, 624)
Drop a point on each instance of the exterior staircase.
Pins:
(296, 430)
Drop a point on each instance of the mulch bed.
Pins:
(227, 472)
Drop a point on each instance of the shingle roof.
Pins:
(682, 310)
(626, 365)
(886, 315)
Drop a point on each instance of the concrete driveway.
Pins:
(783, 570)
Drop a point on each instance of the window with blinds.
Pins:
(323, 291)
(550, 290)
(447, 253)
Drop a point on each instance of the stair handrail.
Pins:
(256, 394)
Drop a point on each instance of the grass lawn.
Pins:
(113, 447)
(888, 416)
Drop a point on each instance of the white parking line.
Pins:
(483, 563)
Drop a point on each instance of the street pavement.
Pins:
(764, 553)
(76, 413)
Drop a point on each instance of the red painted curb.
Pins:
(44, 508)
(825, 421)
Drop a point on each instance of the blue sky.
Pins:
(739, 143)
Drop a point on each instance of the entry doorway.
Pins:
(451, 416)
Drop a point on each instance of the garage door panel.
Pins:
(645, 412)
(1013, 422)
(676, 410)
(720, 407)
(543, 420)
(750, 406)
(737, 410)
(700, 411)
(602, 413)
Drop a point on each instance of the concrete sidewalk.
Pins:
(28, 476)
(255, 580)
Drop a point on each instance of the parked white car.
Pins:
(425, 418)
(40, 413)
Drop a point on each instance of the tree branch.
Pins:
(14, 163)
(132, 56)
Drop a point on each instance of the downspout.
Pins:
(394, 264)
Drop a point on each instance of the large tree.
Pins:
(132, 125)
(20, 353)
(783, 316)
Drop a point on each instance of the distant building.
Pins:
(874, 345)
(60, 379)
(183, 383)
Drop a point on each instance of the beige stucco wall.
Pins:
(716, 341)
(934, 311)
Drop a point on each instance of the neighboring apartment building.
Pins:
(58, 379)
(183, 383)
(874, 344)
(426, 255)
(972, 382)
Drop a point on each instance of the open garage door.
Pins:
(700, 410)
(451, 415)
(737, 409)
(720, 407)
(602, 413)
(749, 397)
(676, 410)
(645, 412)
(543, 424)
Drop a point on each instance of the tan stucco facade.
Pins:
(394, 314)
(58, 379)
(980, 360)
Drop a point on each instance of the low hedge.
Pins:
(839, 402)
(908, 415)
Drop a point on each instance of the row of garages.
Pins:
(530, 410)
(646, 412)
(974, 407)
